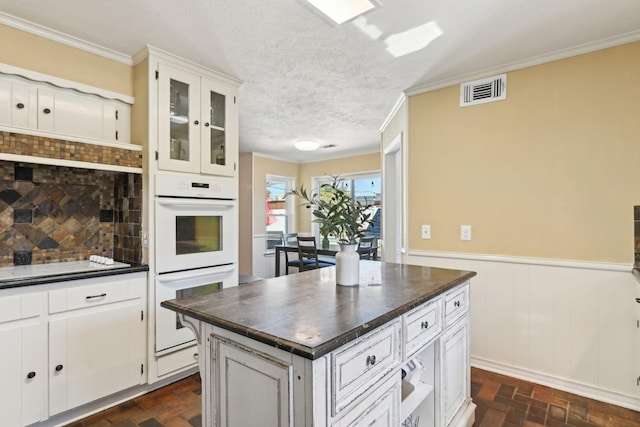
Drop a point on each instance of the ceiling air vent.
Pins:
(484, 90)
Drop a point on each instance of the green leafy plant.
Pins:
(336, 212)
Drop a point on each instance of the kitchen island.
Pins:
(300, 351)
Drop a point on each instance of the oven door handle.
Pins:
(191, 274)
(175, 203)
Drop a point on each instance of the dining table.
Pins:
(327, 252)
(293, 248)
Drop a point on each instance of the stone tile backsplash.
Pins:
(29, 145)
(53, 214)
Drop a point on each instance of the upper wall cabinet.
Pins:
(197, 123)
(197, 116)
(35, 107)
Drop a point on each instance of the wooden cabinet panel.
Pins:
(455, 369)
(254, 388)
(94, 353)
(41, 107)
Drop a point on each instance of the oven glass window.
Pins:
(197, 290)
(198, 234)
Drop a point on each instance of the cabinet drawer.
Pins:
(421, 325)
(357, 366)
(456, 304)
(379, 409)
(18, 307)
(105, 291)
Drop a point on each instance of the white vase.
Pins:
(347, 266)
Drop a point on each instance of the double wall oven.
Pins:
(196, 247)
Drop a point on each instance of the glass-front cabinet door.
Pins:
(198, 123)
(179, 120)
(219, 133)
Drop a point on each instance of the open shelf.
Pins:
(413, 396)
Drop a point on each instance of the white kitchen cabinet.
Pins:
(357, 384)
(235, 366)
(27, 106)
(23, 388)
(97, 341)
(197, 123)
(455, 369)
(379, 409)
(68, 343)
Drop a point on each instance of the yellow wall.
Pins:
(345, 165)
(31, 52)
(551, 172)
(245, 213)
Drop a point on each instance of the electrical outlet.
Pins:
(465, 232)
(426, 231)
(145, 239)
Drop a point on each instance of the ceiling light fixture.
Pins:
(341, 11)
(307, 145)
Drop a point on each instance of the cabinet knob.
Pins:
(638, 300)
(19, 105)
(195, 356)
(425, 325)
(59, 368)
(196, 122)
(371, 360)
(457, 303)
(46, 110)
(31, 375)
(206, 124)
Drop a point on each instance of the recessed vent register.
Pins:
(484, 90)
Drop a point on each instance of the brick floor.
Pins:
(501, 401)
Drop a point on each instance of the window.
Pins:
(279, 209)
(365, 188)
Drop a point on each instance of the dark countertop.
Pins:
(64, 277)
(309, 315)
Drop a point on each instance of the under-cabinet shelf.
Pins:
(413, 396)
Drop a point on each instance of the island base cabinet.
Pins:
(251, 388)
(379, 409)
(455, 370)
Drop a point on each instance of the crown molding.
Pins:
(396, 107)
(526, 63)
(65, 39)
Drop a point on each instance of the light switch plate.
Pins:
(426, 232)
(465, 232)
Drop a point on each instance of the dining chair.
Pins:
(366, 247)
(274, 238)
(290, 239)
(308, 254)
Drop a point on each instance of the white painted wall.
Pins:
(569, 325)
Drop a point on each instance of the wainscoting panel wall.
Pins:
(567, 324)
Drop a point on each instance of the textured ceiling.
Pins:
(307, 78)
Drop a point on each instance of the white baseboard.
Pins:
(563, 384)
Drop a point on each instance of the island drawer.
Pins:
(456, 303)
(360, 364)
(421, 325)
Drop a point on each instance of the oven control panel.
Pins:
(197, 186)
